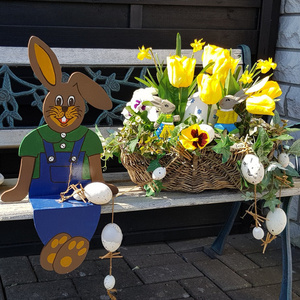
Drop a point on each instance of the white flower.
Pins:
(153, 113)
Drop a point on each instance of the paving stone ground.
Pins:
(171, 270)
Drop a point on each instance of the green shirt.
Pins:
(32, 145)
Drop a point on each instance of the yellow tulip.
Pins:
(222, 67)
(181, 70)
(212, 53)
(193, 137)
(260, 105)
(210, 91)
(272, 89)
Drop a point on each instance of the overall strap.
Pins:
(49, 150)
(76, 150)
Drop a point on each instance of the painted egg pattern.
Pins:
(252, 169)
(276, 221)
(98, 193)
(111, 237)
(284, 159)
(159, 173)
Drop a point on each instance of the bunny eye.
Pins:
(71, 101)
(166, 105)
(59, 100)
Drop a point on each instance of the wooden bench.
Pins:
(131, 198)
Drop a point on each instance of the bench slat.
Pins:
(132, 198)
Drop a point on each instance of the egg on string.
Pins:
(284, 159)
(258, 233)
(1, 178)
(98, 193)
(159, 173)
(252, 169)
(111, 237)
(109, 282)
(209, 130)
(76, 195)
(276, 221)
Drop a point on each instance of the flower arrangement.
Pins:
(221, 112)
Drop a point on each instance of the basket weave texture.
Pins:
(192, 173)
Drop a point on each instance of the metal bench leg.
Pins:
(219, 242)
(286, 285)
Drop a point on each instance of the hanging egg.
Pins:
(258, 233)
(159, 173)
(284, 159)
(1, 178)
(76, 195)
(98, 193)
(111, 237)
(109, 282)
(276, 221)
(209, 130)
(252, 169)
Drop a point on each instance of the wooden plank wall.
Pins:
(129, 24)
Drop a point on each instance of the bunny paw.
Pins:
(50, 250)
(71, 255)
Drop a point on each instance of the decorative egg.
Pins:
(284, 159)
(76, 196)
(98, 193)
(209, 130)
(1, 178)
(276, 221)
(111, 237)
(258, 233)
(159, 173)
(252, 169)
(109, 282)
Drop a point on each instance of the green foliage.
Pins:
(263, 146)
(223, 147)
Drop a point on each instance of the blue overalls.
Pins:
(51, 217)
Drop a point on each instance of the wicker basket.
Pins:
(189, 173)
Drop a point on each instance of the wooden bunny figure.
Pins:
(166, 119)
(59, 153)
(226, 115)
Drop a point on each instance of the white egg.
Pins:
(252, 169)
(258, 233)
(98, 193)
(159, 173)
(109, 282)
(111, 237)
(1, 178)
(209, 130)
(276, 221)
(284, 159)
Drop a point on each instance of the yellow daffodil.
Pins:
(181, 70)
(246, 77)
(260, 105)
(144, 53)
(197, 45)
(266, 65)
(193, 137)
(272, 89)
(210, 91)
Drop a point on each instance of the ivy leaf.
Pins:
(154, 164)
(153, 189)
(223, 147)
(272, 203)
(295, 148)
(291, 172)
(263, 145)
(133, 144)
(276, 118)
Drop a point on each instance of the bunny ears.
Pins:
(45, 65)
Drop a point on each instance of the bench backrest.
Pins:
(93, 60)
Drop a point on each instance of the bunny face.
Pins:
(64, 105)
(164, 105)
(64, 109)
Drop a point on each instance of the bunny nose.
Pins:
(64, 108)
